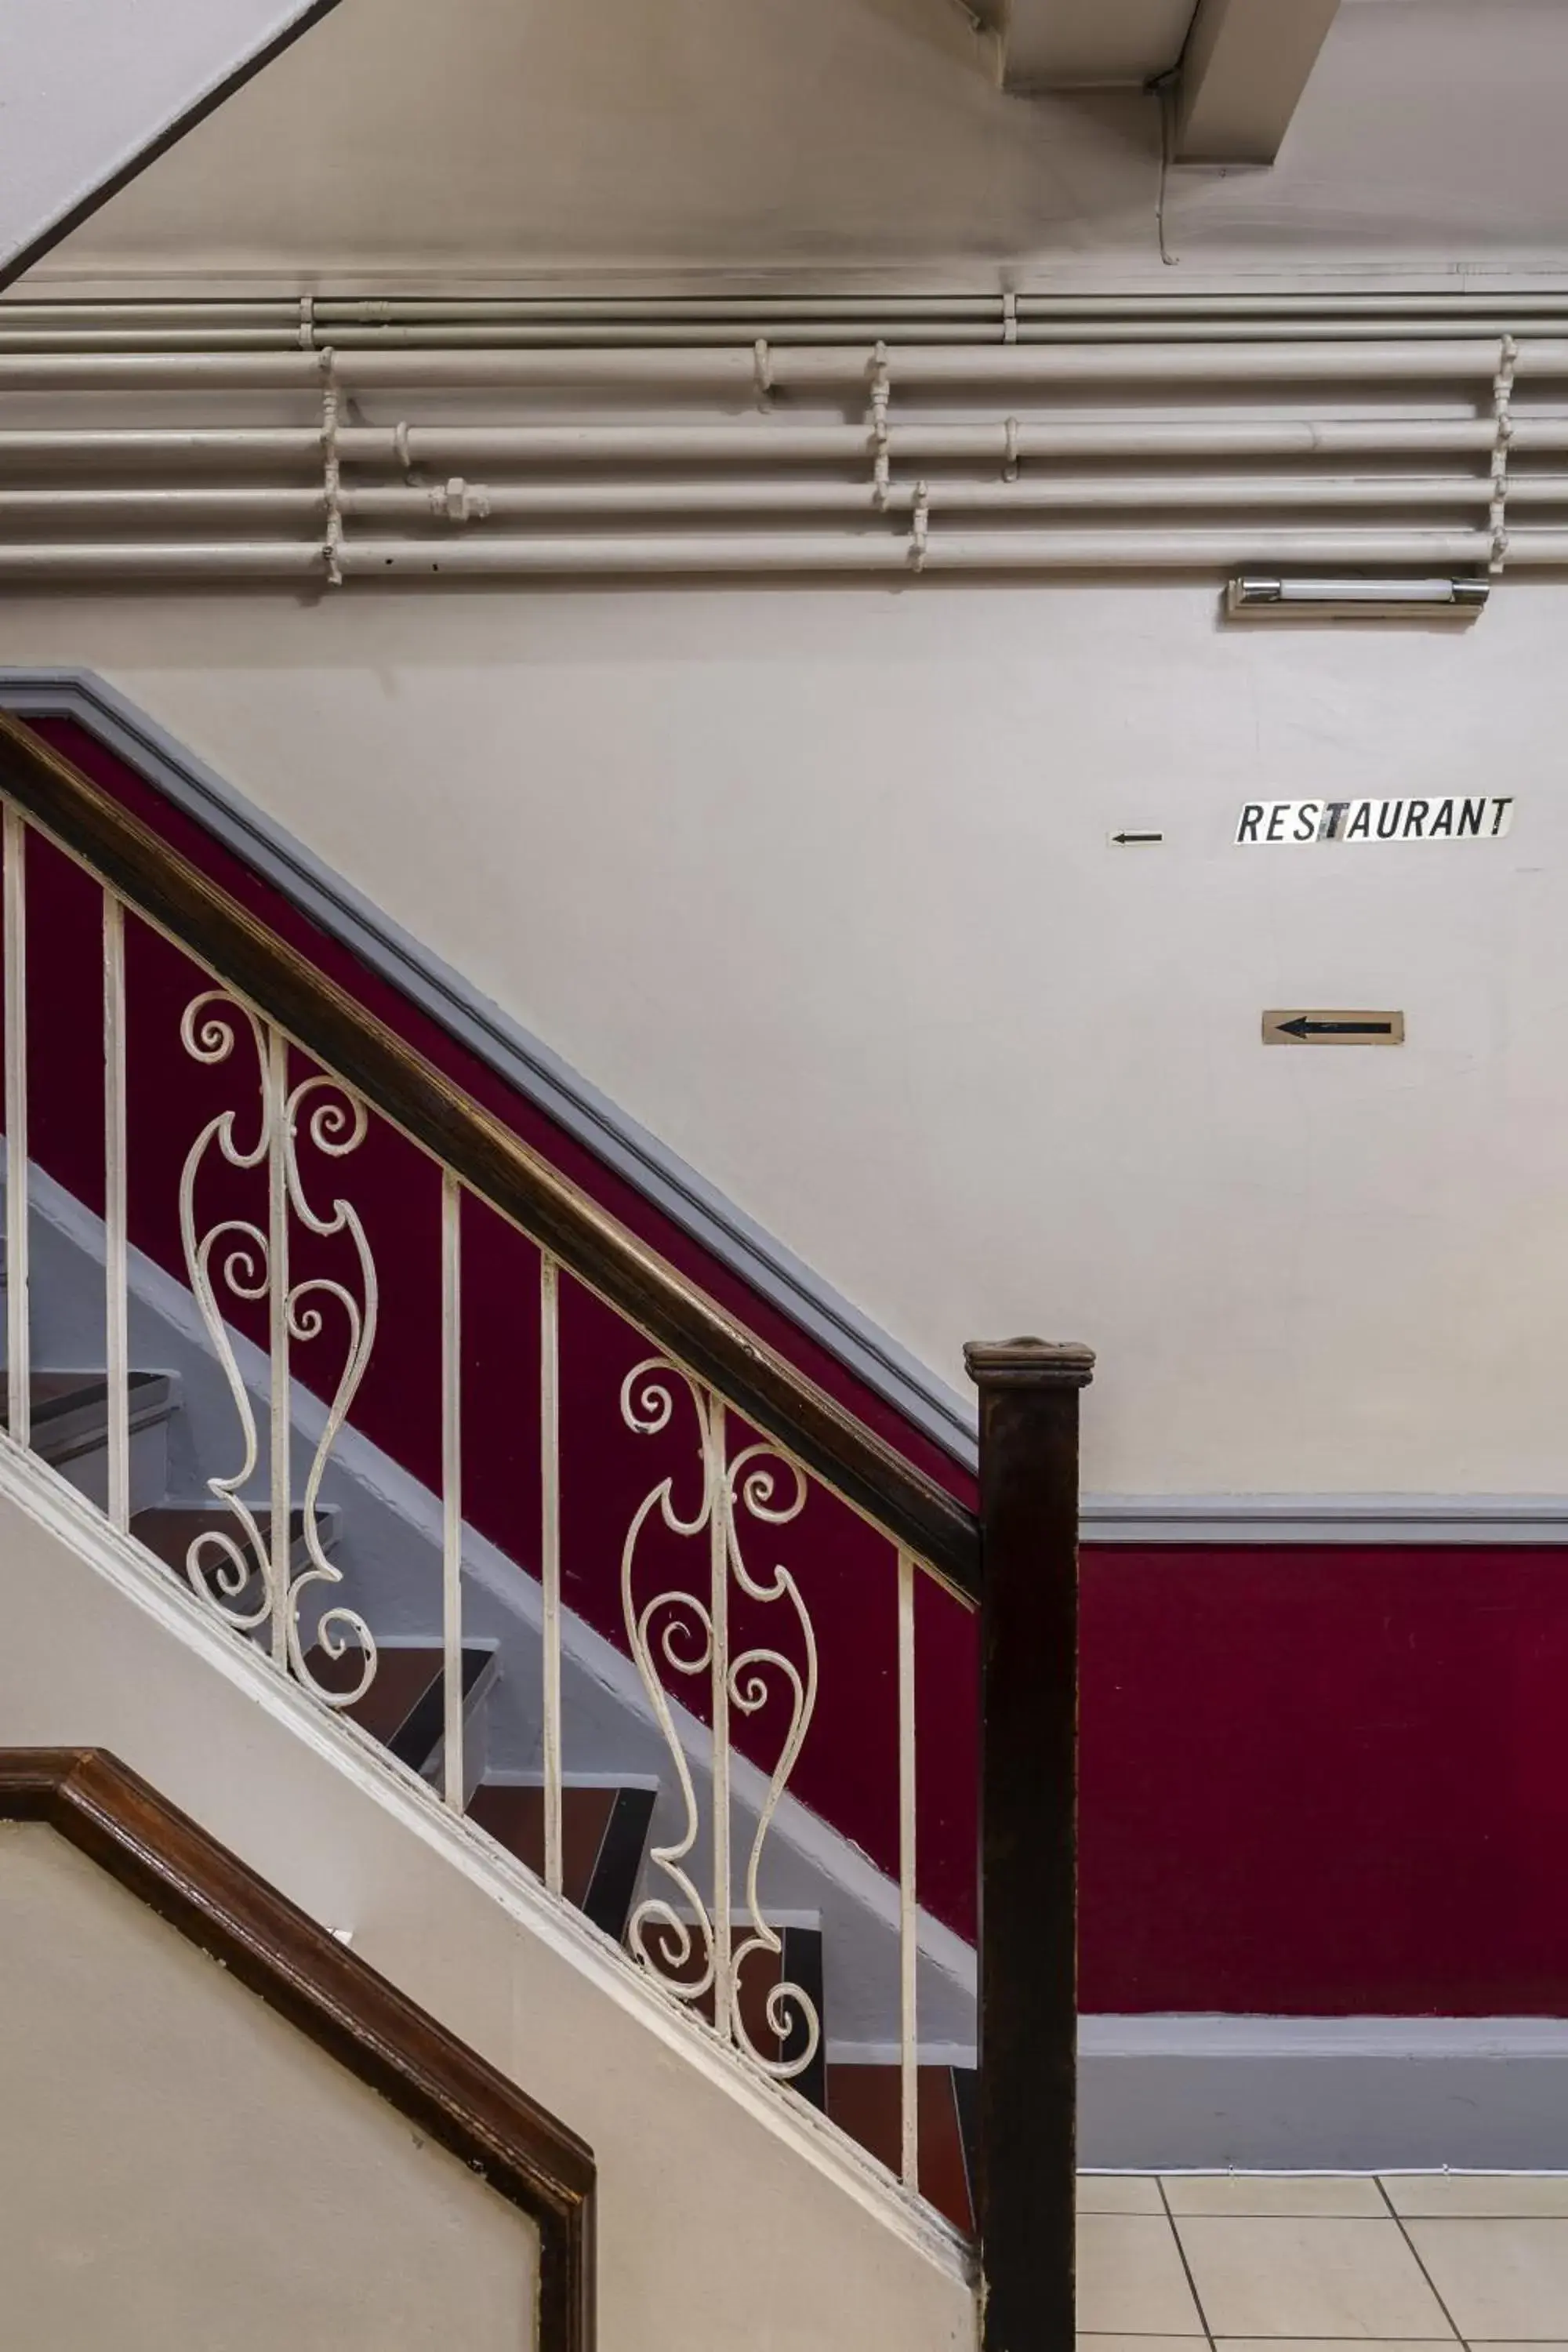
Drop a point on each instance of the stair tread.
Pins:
(514, 1816)
(169, 1528)
(403, 1709)
(74, 1406)
(603, 1832)
(864, 2101)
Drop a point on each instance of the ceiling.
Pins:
(517, 143)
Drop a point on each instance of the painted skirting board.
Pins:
(1324, 2095)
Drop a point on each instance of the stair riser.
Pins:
(87, 1467)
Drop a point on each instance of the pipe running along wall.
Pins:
(177, 456)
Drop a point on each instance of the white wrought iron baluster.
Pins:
(336, 1123)
(116, 1276)
(550, 1557)
(279, 1113)
(19, 1390)
(772, 1492)
(724, 2002)
(451, 1492)
(671, 1629)
(908, 1945)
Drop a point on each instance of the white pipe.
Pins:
(471, 503)
(486, 500)
(735, 371)
(167, 559)
(155, 505)
(136, 446)
(803, 553)
(757, 443)
(749, 441)
(862, 319)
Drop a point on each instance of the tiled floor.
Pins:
(1415, 2263)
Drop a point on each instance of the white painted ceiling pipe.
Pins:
(802, 552)
(289, 321)
(471, 505)
(754, 441)
(735, 371)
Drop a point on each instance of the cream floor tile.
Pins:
(1343, 2343)
(1479, 2194)
(1344, 2197)
(1129, 2278)
(1501, 2280)
(1307, 2278)
(1173, 2344)
(1118, 2192)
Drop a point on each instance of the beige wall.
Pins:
(180, 2167)
(818, 885)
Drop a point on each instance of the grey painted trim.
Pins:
(1295, 1519)
(1324, 2095)
(521, 1059)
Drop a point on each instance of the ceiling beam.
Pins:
(1086, 44)
(1244, 68)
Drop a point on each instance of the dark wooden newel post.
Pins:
(1029, 1852)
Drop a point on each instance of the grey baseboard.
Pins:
(1324, 2095)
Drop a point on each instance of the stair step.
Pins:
(69, 1411)
(169, 1530)
(404, 1708)
(603, 1833)
(798, 1963)
(863, 2100)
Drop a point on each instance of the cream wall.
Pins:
(179, 2166)
(818, 885)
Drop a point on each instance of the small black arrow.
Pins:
(1303, 1028)
(1127, 837)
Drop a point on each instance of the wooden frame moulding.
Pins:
(218, 1903)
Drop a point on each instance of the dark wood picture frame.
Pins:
(215, 1900)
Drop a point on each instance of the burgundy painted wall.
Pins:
(1317, 1781)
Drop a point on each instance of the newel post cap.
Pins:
(1030, 1363)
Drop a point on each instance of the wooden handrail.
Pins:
(400, 1084)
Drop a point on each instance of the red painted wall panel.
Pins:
(1326, 1782)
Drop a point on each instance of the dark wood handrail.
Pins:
(398, 1082)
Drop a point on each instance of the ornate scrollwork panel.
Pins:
(689, 1943)
(249, 1579)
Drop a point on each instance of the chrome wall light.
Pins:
(1252, 598)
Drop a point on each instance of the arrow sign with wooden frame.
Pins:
(1336, 1028)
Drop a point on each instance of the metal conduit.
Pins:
(734, 371)
(611, 555)
(757, 485)
(284, 323)
(485, 501)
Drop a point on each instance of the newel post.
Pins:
(1028, 1851)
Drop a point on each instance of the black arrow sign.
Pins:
(1128, 837)
(1303, 1028)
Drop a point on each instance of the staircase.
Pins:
(606, 1824)
(504, 1498)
